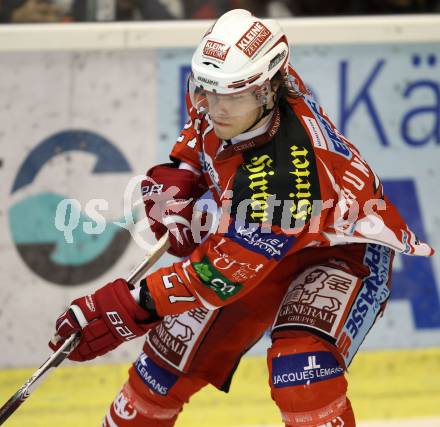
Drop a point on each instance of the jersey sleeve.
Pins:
(188, 143)
(363, 213)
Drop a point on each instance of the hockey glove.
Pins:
(169, 195)
(105, 320)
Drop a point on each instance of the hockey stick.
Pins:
(69, 345)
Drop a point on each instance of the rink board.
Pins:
(385, 389)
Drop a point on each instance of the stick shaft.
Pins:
(155, 253)
(26, 389)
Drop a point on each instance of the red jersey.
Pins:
(308, 186)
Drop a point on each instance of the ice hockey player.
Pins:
(304, 245)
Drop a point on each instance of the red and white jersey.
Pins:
(308, 186)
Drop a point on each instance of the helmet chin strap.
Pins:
(266, 111)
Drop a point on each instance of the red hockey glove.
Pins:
(169, 195)
(105, 320)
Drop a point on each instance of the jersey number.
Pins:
(169, 281)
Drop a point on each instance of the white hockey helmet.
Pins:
(239, 53)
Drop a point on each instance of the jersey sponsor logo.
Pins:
(337, 144)
(154, 376)
(165, 339)
(174, 339)
(178, 329)
(260, 169)
(301, 207)
(213, 279)
(253, 39)
(216, 50)
(237, 270)
(367, 305)
(270, 245)
(278, 182)
(315, 132)
(317, 299)
(305, 368)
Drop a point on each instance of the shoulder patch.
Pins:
(336, 144)
(315, 132)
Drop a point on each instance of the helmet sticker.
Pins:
(253, 39)
(207, 81)
(216, 50)
(277, 59)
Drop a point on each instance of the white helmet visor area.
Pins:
(238, 102)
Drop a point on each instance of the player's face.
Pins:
(232, 114)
